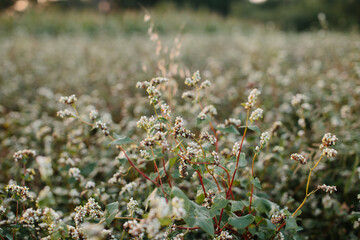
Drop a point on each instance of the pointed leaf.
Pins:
(241, 222)
(121, 140)
(111, 210)
(228, 129)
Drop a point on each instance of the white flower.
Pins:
(68, 100)
(264, 138)
(64, 114)
(131, 206)
(75, 172)
(252, 99)
(178, 209)
(90, 184)
(298, 157)
(256, 114)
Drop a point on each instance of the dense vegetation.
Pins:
(93, 176)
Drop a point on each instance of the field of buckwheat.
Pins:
(236, 133)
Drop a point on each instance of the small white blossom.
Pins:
(131, 206)
(68, 100)
(26, 153)
(64, 114)
(264, 138)
(327, 188)
(256, 114)
(205, 84)
(252, 99)
(75, 173)
(298, 157)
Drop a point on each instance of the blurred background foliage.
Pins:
(295, 15)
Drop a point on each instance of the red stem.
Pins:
(233, 177)
(167, 176)
(202, 184)
(162, 188)
(138, 170)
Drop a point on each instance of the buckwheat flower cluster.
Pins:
(20, 191)
(201, 116)
(236, 148)
(329, 152)
(144, 84)
(19, 155)
(205, 136)
(298, 157)
(193, 80)
(224, 235)
(209, 199)
(132, 204)
(44, 217)
(209, 109)
(277, 218)
(297, 99)
(325, 188)
(193, 151)
(180, 236)
(216, 158)
(165, 109)
(256, 115)
(158, 80)
(178, 210)
(129, 187)
(144, 154)
(70, 100)
(75, 233)
(252, 98)
(145, 122)
(103, 127)
(264, 138)
(180, 130)
(93, 114)
(183, 169)
(64, 114)
(233, 121)
(188, 94)
(91, 209)
(147, 142)
(75, 173)
(205, 84)
(2, 210)
(279, 236)
(134, 228)
(89, 185)
(327, 141)
(154, 93)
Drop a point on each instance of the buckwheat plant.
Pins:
(195, 179)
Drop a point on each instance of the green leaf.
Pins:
(178, 193)
(206, 224)
(256, 182)
(262, 205)
(219, 203)
(291, 224)
(254, 128)
(236, 206)
(242, 160)
(111, 210)
(241, 222)
(121, 140)
(228, 129)
(205, 121)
